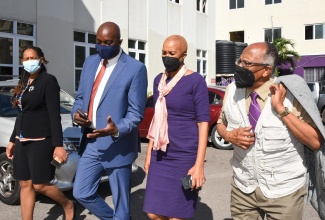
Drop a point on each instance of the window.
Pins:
(237, 36)
(312, 74)
(201, 5)
(271, 34)
(175, 1)
(315, 31)
(201, 62)
(137, 50)
(270, 2)
(233, 4)
(14, 35)
(84, 45)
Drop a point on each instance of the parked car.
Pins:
(64, 174)
(318, 91)
(216, 94)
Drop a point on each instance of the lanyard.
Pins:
(20, 96)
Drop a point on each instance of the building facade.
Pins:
(302, 21)
(66, 31)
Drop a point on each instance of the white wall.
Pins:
(55, 37)
(117, 12)
(21, 10)
(86, 13)
(138, 17)
(145, 20)
(157, 32)
(290, 15)
(210, 41)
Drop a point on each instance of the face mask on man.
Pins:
(171, 63)
(107, 52)
(244, 78)
(31, 66)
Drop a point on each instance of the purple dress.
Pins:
(187, 103)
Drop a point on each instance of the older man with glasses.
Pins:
(268, 128)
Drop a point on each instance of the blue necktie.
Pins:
(254, 110)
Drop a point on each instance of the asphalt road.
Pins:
(214, 198)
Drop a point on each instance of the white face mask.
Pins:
(31, 66)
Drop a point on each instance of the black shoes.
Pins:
(74, 202)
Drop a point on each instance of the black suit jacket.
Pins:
(40, 115)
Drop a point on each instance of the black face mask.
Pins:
(171, 63)
(244, 78)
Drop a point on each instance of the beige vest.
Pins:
(275, 162)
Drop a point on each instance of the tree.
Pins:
(287, 54)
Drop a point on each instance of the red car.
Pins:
(216, 94)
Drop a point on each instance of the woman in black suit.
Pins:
(37, 136)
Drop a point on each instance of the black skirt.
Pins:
(32, 161)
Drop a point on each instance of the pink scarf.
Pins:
(158, 130)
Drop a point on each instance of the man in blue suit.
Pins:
(114, 107)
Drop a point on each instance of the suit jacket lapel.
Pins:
(117, 70)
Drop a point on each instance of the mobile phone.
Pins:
(186, 181)
(55, 162)
(82, 114)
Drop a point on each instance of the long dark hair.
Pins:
(17, 90)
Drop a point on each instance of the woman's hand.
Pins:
(197, 171)
(147, 164)
(148, 157)
(61, 154)
(10, 150)
(198, 178)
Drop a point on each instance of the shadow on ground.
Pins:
(136, 202)
(104, 190)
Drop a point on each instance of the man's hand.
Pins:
(81, 121)
(110, 129)
(241, 137)
(278, 94)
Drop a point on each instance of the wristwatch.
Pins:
(284, 113)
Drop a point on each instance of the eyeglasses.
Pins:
(249, 64)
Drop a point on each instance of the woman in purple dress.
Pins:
(177, 136)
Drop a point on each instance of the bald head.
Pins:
(263, 52)
(178, 41)
(109, 28)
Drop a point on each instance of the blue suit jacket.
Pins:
(124, 98)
